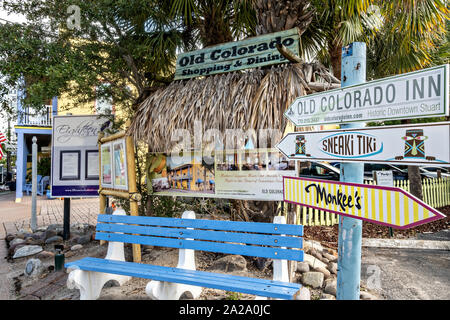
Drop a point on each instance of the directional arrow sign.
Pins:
(419, 144)
(387, 206)
(418, 94)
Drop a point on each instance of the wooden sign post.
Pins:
(108, 169)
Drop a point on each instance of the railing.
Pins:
(30, 117)
(436, 193)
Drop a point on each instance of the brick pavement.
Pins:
(16, 216)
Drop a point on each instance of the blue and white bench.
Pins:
(279, 241)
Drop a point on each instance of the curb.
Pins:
(406, 244)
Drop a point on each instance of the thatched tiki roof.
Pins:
(254, 99)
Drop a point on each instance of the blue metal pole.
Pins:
(353, 71)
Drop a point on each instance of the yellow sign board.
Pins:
(387, 206)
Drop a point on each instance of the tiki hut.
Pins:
(251, 99)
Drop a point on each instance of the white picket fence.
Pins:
(436, 193)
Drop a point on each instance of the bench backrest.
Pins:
(268, 240)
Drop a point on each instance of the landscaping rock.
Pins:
(12, 249)
(49, 234)
(311, 244)
(315, 254)
(9, 237)
(326, 296)
(330, 257)
(332, 266)
(84, 239)
(54, 239)
(16, 241)
(325, 272)
(45, 255)
(302, 267)
(330, 286)
(27, 251)
(304, 294)
(313, 262)
(76, 247)
(367, 296)
(33, 268)
(313, 279)
(230, 263)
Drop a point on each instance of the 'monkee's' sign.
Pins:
(232, 56)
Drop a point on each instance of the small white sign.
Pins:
(384, 178)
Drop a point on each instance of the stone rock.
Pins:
(84, 239)
(330, 257)
(14, 248)
(302, 267)
(313, 279)
(16, 241)
(325, 260)
(80, 228)
(315, 254)
(27, 251)
(325, 272)
(55, 226)
(230, 263)
(367, 296)
(311, 244)
(313, 262)
(332, 266)
(304, 294)
(38, 235)
(49, 234)
(9, 237)
(54, 239)
(330, 286)
(326, 296)
(33, 268)
(76, 247)
(45, 255)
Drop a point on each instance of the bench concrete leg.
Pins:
(280, 267)
(162, 290)
(90, 283)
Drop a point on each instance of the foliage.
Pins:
(126, 44)
(43, 167)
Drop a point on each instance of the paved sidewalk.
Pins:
(15, 216)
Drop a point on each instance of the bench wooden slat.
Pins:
(258, 239)
(262, 287)
(249, 250)
(256, 227)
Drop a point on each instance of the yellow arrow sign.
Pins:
(387, 206)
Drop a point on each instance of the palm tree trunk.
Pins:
(335, 56)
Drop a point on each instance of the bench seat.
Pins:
(277, 241)
(262, 287)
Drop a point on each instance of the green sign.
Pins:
(250, 53)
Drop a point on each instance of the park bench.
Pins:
(278, 241)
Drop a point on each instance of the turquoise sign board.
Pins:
(250, 53)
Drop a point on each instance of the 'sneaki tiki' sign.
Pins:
(250, 53)
(415, 144)
(386, 206)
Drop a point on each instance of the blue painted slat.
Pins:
(249, 238)
(248, 250)
(257, 227)
(193, 273)
(261, 287)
